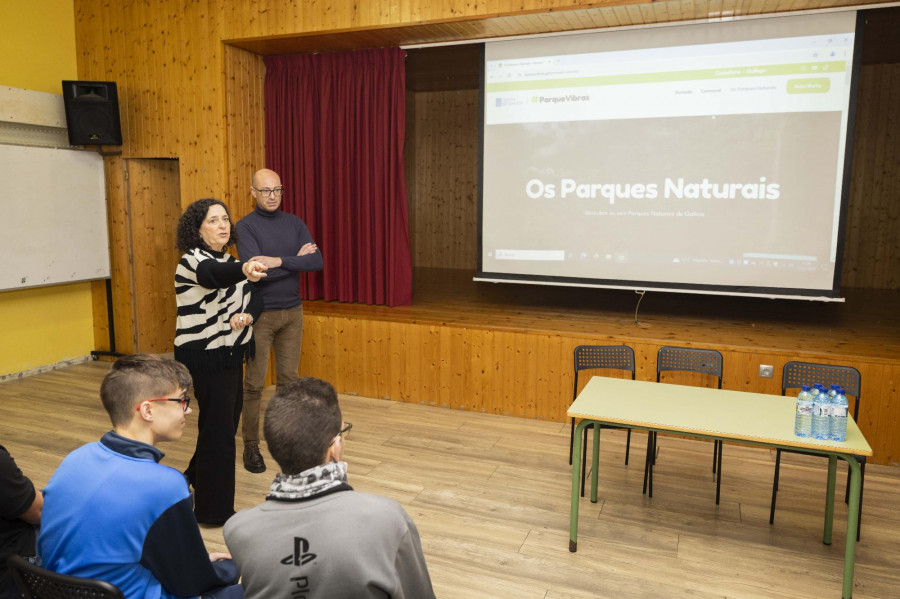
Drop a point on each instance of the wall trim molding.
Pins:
(48, 368)
(32, 118)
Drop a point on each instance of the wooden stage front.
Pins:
(507, 348)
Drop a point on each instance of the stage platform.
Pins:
(866, 325)
(507, 348)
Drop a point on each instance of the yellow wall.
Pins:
(51, 324)
(37, 44)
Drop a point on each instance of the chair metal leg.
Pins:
(627, 446)
(715, 453)
(775, 486)
(647, 460)
(719, 475)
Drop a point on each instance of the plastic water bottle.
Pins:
(832, 392)
(817, 390)
(838, 425)
(814, 391)
(803, 419)
(821, 425)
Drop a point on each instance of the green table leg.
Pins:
(595, 456)
(576, 479)
(829, 499)
(852, 525)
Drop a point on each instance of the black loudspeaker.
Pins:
(92, 113)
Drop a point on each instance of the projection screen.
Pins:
(707, 158)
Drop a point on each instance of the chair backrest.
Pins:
(796, 374)
(620, 357)
(688, 359)
(38, 583)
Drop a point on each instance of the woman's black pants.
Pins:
(220, 397)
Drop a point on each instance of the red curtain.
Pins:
(335, 126)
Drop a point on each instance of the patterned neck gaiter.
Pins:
(309, 482)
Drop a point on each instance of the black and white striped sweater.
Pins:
(210, 288)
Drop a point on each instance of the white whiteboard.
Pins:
(52, 217)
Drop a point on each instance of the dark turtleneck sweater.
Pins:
(277, 234)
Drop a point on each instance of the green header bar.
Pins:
(806, 68)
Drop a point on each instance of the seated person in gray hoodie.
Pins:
(315, 537)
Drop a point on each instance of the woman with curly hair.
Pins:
(213, 338)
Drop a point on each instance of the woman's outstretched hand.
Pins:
(254, 270)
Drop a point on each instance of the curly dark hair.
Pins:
(187, 236)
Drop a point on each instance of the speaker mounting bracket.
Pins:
(103, 152)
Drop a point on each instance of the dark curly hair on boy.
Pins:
(187, 236)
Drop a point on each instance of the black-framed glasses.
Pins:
(345, 430)
(184, 400)
(266, 192)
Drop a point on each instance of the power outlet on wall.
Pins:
(766, 371)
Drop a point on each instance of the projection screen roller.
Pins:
(709, 158)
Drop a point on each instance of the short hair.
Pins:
(135, 378)
(187, 235)
(301, 423)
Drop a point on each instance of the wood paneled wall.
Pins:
(443, 191)
(166, 58)
(529, 374)
(872, 242)
(244, 125)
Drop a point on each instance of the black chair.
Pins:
(794, 376)
(685, 359)
(593, 357)
(38, 583)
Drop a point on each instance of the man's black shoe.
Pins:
(253, 460)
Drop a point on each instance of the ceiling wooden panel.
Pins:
(611, 14)
(456, 67)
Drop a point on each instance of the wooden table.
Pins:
(750, 418)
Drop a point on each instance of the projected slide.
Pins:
(705, 155)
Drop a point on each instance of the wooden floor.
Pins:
(490, 495)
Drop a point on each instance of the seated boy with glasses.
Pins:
(113, 512)
(315, 537)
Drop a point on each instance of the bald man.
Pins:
(282, 242)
